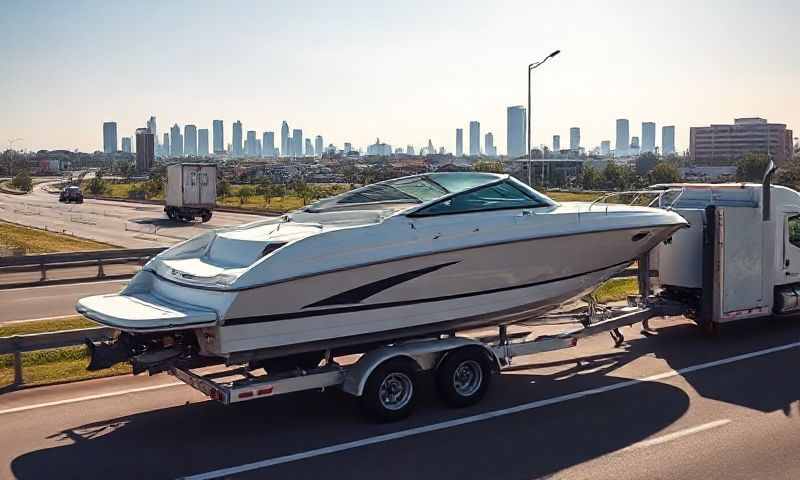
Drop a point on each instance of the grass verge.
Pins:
(616, 289)
(34, 240)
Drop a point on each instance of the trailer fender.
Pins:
(426, 355)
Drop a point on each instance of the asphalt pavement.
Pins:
(50, 301)
(673, 405)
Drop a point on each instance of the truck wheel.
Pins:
(206, 216)
(170, 213)
(463, 377)
(390, 392)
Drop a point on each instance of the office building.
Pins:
(348, 147)
(126, 144)
(648, 137)
(250, 144)
(176, 141)
(219, 137)
(318, 145)
(285, 139)
(556, 143)
(623, 137)
(379, 148)
(574, 138)
(190, 140)
(410, 150)
(459, 142)
(268, 144)
(109, 137)
(297, 143)
(725, 144)
(488, 145)
(309, 148)
(605, 148)
(474, 138)
(237, 138)
(152, 128)
(165, 145)
(516, 131)
(634, 148)
(145, 150)
(202, 142)
(668, 140)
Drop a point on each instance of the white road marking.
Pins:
(676, 435)
(60, 317)
(480, 417)
(89, 397)
(90, 282)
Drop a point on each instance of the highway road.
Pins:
(129, 225)
(676, 405)
(50, 301)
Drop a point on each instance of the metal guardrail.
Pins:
(16, 345)
(49, 261)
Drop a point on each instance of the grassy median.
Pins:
(34, 240)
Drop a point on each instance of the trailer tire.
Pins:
(206, 216)
(390, 391)
(170, 213)
(464, 376)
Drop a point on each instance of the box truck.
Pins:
(191, 191)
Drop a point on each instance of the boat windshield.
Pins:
(407, 190)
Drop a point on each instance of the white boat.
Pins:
(414, 256)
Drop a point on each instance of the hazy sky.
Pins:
(404, 71)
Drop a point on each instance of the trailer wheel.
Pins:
(170, 213)
(206, 216)
(463, 377)
(390, 391)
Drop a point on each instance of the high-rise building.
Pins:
(623, 137)
(605, 148)
(488, 146)
(202, 142)
(259, 149)
(219, 137)
(379, 148)
(109, 137)
(410, 150)
(126, 144)
(726, 144)
(459, 142)
(165, 145)
(176, 141)
(474, 138)
(237, 138)
(668, 140)
(152, 128)
(285, 139)
(516, 135)
(250, 144)
(309, 148)
(574, 138)
(429, 149)
(318, 145)
(648, 137)
(190, 140)
(556, 143)
(145, 150)
(348, 147)
(297, 142)
(268, 144)
(634, 149)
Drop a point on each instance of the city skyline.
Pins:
(104, 77)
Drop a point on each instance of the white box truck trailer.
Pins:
(191, 191)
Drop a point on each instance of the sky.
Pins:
(402, 71)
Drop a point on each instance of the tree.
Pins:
(664, 172)
(223, 189)
(617, 177)
(22, 181)
(646, 162)
(488, 166)
(279, 190)
(97, 186)
(245, 192)
(789, 175)
(265, 188)
(590, 178)
(752, 167)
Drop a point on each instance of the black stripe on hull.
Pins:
(359, 308)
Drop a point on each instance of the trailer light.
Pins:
(265, 391)
(246, 394)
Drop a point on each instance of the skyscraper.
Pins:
(556, 143)
(190, 140)
(165, 145)
(348, 147)
(202, 142)
(474, 138)
(126, 144)
(648, 137)
(297, 142)
(574, 138)
(285, 139)
(634, 150)
(668, 140)
(605, 147)
(250, 144)
(109, 137)
(459, 142)
(176, 141)
(151, 127)
(145, 150)
(268, 144)
(488, 145)
(219, 137)
(237, 137)
(515, 131)
(623, 137)
(318, 145)
(309, 148)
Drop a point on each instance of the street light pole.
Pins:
(531, 67)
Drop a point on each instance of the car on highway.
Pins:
(71, 194)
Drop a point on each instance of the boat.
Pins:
(415, 256)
